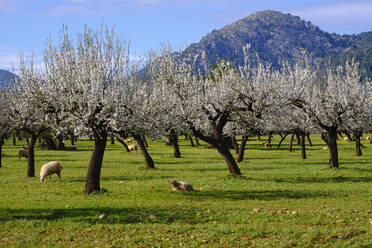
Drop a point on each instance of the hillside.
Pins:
(275, 36)
(6, 77)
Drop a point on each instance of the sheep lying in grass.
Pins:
(267, 144)
(346, 139)
(53, 167)
(368, 138)
(181, 186)
(132, 147)
(128, 140)
(23, 153)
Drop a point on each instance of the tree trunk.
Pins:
(348, 136)
(269, 138)
(1, 146)
(242, 149)
(14, 141)
(309, 140)
(229, 159)
(31, 157)
(92, 182)
(235, 144)
(112, 140)
(291, 143)
(124, 144)
(303, 147)
(72, 139)
(259, 137)
(298, 139)
(282, 139)
(174, 138)
(332, 145)
(145, 141)
(61, 145)
(191, 141)
(197, 141)
(358, 149)
(146, 155)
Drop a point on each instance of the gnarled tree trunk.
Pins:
(282, 139)
(148, 160)
(176, 149)
(291, 143)
(332, 146)
(191, 141)
(235, 144)
(242, 149)
(31, 156)
(92, 182)
(303, 147)
(308, 139)
(228, 157)
(358, 149)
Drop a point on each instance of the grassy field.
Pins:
(281, 200)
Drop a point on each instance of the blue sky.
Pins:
(27, 24)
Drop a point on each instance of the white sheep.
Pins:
(132, 147)
(49, 169)
(267, 144)
(346, 139)
(181, 186)
(128, 140)
(368, 138)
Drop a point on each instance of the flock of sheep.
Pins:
(54, 167)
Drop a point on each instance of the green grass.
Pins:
(281, 200)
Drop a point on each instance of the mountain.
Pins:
(6, 77)
(275, 36)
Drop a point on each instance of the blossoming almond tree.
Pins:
(326, 99)
(27, 109)
(203, 103)
(5, 127)
(88, 74)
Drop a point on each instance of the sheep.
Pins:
(267, 145)
(181, 186)
(368, 138)
(49, 169)
(23, 153)
(346, 139)
(325, 148)
(132, 147)
(128, 140)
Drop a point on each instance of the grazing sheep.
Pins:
(267, 144)
(346, 139)
(49, 169)
(23, 153)
(368, 138)
(128, 140)
(132, 147)
(325, 148)
(181, 186)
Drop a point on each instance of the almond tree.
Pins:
(5, 127)
(203, 104)
(326, 99)
(27, 109)
(88, 74)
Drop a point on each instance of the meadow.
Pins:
(280, 201)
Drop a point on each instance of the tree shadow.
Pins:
(265, 195)
(338, 179)
(112, 215)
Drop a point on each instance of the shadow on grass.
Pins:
(338, 179)
(266, 195)
(112, 215)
